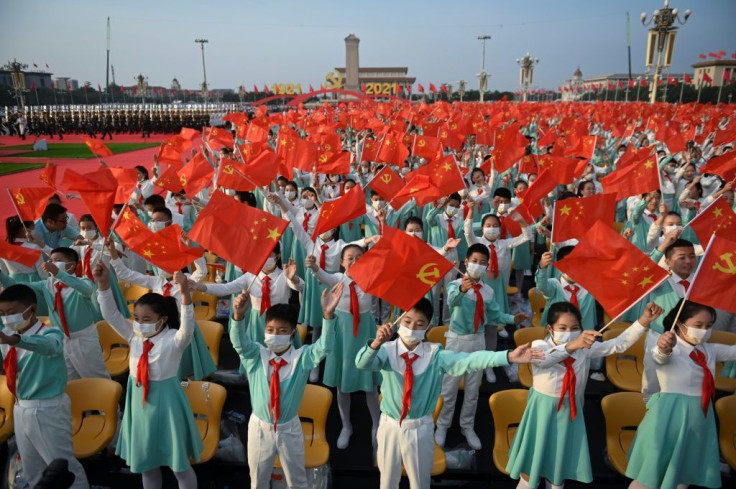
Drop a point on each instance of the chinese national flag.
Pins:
(127, 179)
(619, 85)
(170, 155)
(48, 175)
(419, 187)
(426, 147)
(97, 147)
(686, 78)
(724, 166)
(726, 76)
(432, 88)
(724, 137)
(707, 79)
(188, 133)
(19, 254)
(98, 190)
(333, 163)
(509, 148)
(31, 201)
(393, 151)
(386, 183)
(612, 269)
(179, 142)
(632, 83)
(131, 229)
(246, 245)
(443, 174)
(195, 175)
(262, 169)
(671, 80)
(632, 180)
(296, 152)
(563, 170)
(420, 87)
(399, 269)
(574, 217)
(582, 146)
(531, 198)
(219, 135)
(165, 249)
(370, 150)
(339, 211)
(169, 180)
(718, 218)
(713, 283)
(266, 90)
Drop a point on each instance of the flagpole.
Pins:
(613, 320)
(682, 89)
(109, 234)
(17, 211)
(700, 88)
(720, 88)
(695, 278)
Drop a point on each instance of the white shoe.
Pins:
(472, 439)
(503, 333)
(314, 375)
(598, 376)
(512, 372)
(344, 439)
(440, 434)
(490, 376)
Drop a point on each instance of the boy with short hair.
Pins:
(412, 372)
(34, 367)
(53, 227)
(277, 376)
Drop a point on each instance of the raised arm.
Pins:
(246, 349)
(316, 352)
(108, 307)
(183, 336)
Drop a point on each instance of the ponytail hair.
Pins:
(559, 308)
(163, 306)
(689, 310)
(13, 225)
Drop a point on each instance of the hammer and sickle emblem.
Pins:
(328, 147)
(183, 180)
(728, 267)
(386, 178)
(453, 126)
(323, 158)
(444, 134)
(422, 143)
(228, 170)
(428, 271)
(20, 199)
(334, 79)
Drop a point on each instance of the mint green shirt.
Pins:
(428, 372)
(553, 289)
(292, 376)
(462, 309)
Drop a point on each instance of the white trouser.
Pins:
(412, 443)
(83, 355)
(263, 445)
(441, 308)
(43, 433)
(649, 380)
(461, 343)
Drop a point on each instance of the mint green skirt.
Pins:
(196, 361)
(310, 312)
(340, 369)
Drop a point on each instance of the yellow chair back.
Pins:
(94, 407)
(507, 408)
(623, 412)
(206, 400)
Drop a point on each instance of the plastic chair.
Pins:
(436, 334)
(537, 303)
(313, 415)
(44, 320)
(94, 406)
(511, 289)
(210, 257)
(212, 269)
(131, 293)
(725, 409)
(726, 384)
(212, 333)
(623, 412)
(625, 369)
(206, 400)
(7, 400)
(507, 408)
(205, 306)
(115, 350)
(618, 226)
(522, 337)
(302, 330)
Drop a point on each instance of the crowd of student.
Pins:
(357, 337)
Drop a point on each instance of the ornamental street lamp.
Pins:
(483, 76)
(202, 42)
(526, 76)
(661, 40)
(19, 80)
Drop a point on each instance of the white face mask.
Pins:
(61, 265)
(277, 342)
(491, 233)
(88, 233)
(452, 210)
(270, 263)
(16, 322)
(411, 337)
(502, 207)
(150, 213)
(404, 171)
(326, 236)
(308, 203)
(145, 330)
(696, 336)
(416, 234)
(290, 194)
(157, 226)
(563, 337)
(476, 270)
(378, 204)
(669, 229)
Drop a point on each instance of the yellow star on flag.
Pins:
(646, 281)
(148, 253)
(648, 164)
(565, 210)
(273, 234)
(718, 212)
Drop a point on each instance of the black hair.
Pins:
(143, 170)
(558, 309)
(87, 218)
(349, 180)
(478, 248)
(246, 197)
(19, 293)
(349, 247)
(489, 216)
(282, 312)
(689, 310)
(163, 306)
(699, 188)
(117, 208)
(516, 183)
(478, 169)
(502, 192)
(54, 197)
(154, 200)
(52, 212)
(291, 183)
(673, 213)
(454, 196)
(309, 189)
(164, 210)
(413, 220)
(424, 307)
(581, 185)
(566, 194)
(564, 251)
(679, 243)
(282, 178)
(68, 253)
(13, 226)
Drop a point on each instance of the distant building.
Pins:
(175, 85)
(573, 89)
(39, 79)
(714, 68)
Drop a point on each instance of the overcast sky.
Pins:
(299, 41)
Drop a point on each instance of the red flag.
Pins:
(564, 170)
(718, 218)
(386, 183)
(246, 245)
(443, 88)
(19, 254)
(727, 76)
(255, 89)
(33, 85)
(633, 180)
(632, 83)
(195, 175)
(671, 80)
(169, 154)
(432, 88)
(188, 133)
(643, 83)
(393, 151)
(724, 166)
(98, 190)
(127, 179)
(266, 89)
(702, 56)
(219, 135)
(169, 180)
(333, 163)
(262, 169)
(165, 250)
(421, 88)
(531, 198)
(296, 152)
(48, 175)
(131, 229)
(612, 269)
(420, 188)
(686, 79)
(707, 79)
(426, 147)
(399, 269)
(620, 85)
(97, 147)
(336, 212)
(713, 283)
(31, 201)
(310, 88)
(712, 54)
(443, 174)
(574, 217)
(724, 137)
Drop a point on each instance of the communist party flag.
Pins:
(615, 271)
(531, 198)
(339, 211)
(718, 218)
(97, 147)
(419, 187)
(165, 250)
(713, 283)
(386, 183)
(219, 135)
(31, 201)
(392, 149)
(724, 166)
(334, 163)
(48, 175)
(195, 175)
(399, 269)
(230, 175)
(574, 217)
(246, 245)
(98, 190)
(131, 229)
(633, 180)
(425, 147)
(188, 133)
(19, 254)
